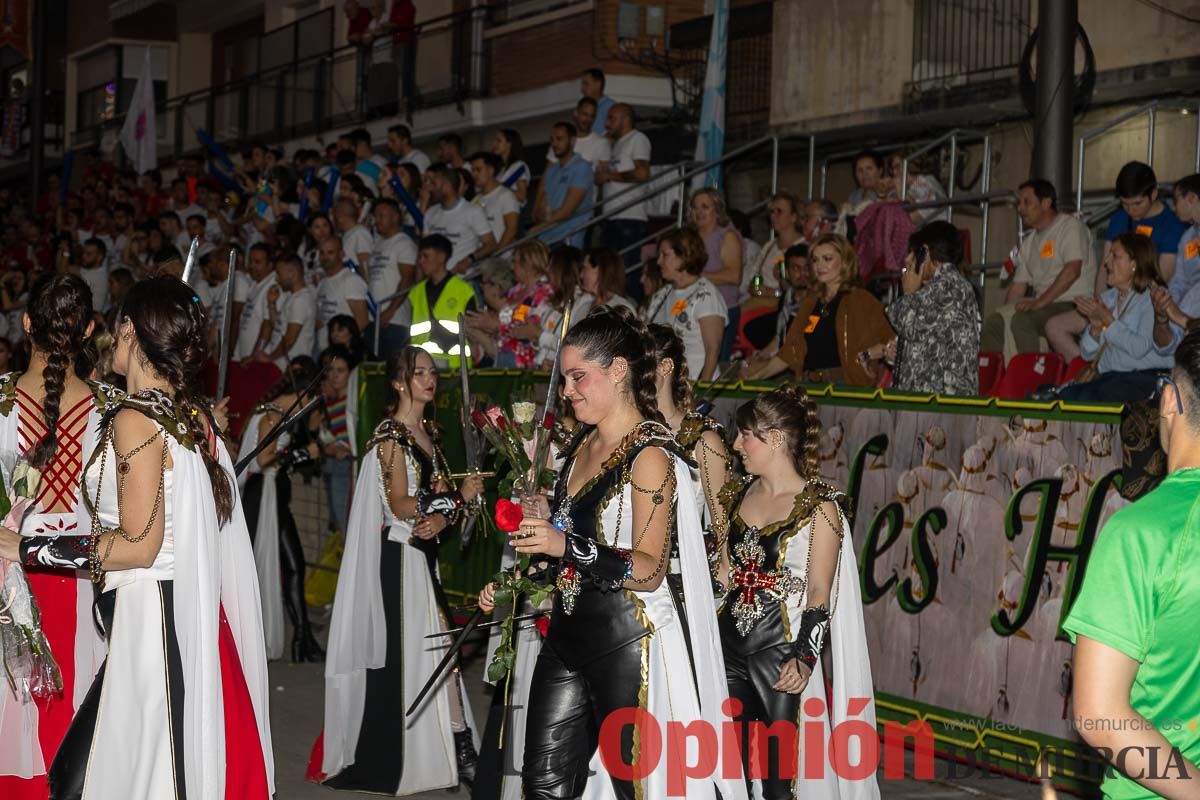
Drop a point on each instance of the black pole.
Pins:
(37, 101)
(1053, 122)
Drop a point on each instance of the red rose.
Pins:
(548, 422)
(542, 624)
(478, 418)
(508, 515)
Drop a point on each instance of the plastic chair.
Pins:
(1077, 365)
(1028, 371)
(991, 370)
(741, 342)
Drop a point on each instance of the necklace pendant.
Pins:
(123, 467)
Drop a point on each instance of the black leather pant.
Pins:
(566, 710)
(291, 554)
(750, 676)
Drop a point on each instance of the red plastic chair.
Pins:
(1028, 371)
(991, 370)
(1077, 365)
(741, 342)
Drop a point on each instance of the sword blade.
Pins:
(190, 265)
(544, 431)
(472, 623)
(484, 626)
(226, 328)
(464, 412)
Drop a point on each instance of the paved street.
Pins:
(296, 711)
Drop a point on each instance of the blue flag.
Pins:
(710, 138)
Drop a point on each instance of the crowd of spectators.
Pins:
(367, 247)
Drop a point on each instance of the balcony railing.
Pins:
(959, 42)
(295, 95)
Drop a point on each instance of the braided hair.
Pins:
(60, 310)
(608, 333)
(667, 344)
(171, 327)
(789, 410)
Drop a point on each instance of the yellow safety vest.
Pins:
(437, 333)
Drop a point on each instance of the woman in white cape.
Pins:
(180, 705)
(378, 657)
(50, 417)
(792, 579)
(617, 638)
(266, 492)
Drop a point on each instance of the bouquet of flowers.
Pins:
(511, 585)
(516, 437)
(29, 666)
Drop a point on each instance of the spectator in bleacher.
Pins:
(936, 320)
(341, 291)
(369, 163)
(650, 282)
(564, 270)
(356, 239)
(723, 246)
(922, 187)
(1119, 333)
(401, 24)
(401, 148)
(603, 277)
(591, 86)
(338, 434)
(565, 192)
(593, 147)
(450, 150)
(526, 306)
(344, 332)
(765, 332)
(393, 267)
(359, 18)
(836, 322)
(761, 280)
(628, 166)
(1055, 260)
(689, 303)
(254, 330)
(119, 282)
(1186, 271)
(820, 216)
(450, 215)
(868, 176)
(293, 313)
(91, 267)
(319, 229)
(172, 231)
(514, 174)
(498, 202)
(1142, 212)
(495, 279)
(435, 302)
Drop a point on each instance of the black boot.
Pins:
(464, 746)
(305, 648)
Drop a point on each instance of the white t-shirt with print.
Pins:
(333, 297)
(383, 268)
(463, 224)
(683, 309)
(355, 241)
(496, 204)
(254, 313)
(297, 308)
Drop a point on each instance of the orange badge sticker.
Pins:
(1048, 249)
(520, 313)
(678, 308)
(813, 319)
(1144, 230)
(1192, 249)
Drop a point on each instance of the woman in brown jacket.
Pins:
(834, 325)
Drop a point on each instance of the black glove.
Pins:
(814, 625)
(448, 504)
(608, 566)
(295, 457)
(67, 552)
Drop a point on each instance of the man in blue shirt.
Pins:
(1143, 213)
(564, 196)
(1187, 256)
(591, 84)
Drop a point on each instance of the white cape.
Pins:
(266, 545)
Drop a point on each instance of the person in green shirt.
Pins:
(1136, 622)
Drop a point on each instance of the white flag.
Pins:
(139, 134)
(710, 137)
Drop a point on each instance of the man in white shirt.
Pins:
(400, 146)
(357, 242)
(255, 333)
(214, 269)
(449, 215)
(497, 200)
(341, 291)
(628, 166)
(293, 308)
(92, 269)
(393, 265)
(594, 148)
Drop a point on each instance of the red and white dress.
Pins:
(31, 732)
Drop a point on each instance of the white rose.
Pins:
(523, 412)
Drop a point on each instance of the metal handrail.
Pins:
(1151, 110)
(638, 245)
(665, 186)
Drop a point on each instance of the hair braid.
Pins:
(789, 410)
(608, 333)
(60, 309)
